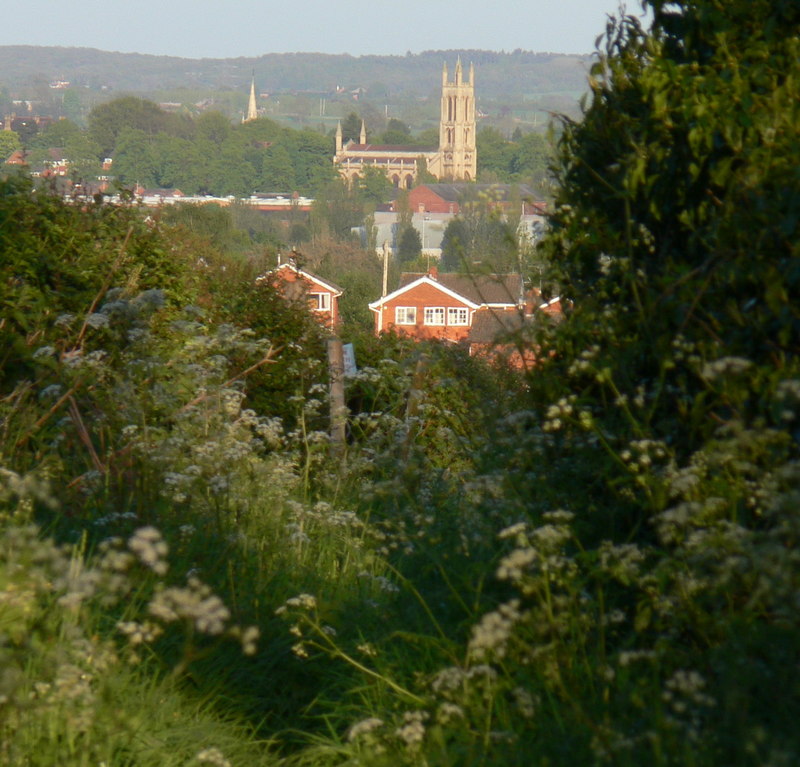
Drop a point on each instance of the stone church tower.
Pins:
(457, 127)
(455, 159)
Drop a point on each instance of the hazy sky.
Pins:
(231, 28)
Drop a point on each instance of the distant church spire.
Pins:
(363, 136)
(252, 111)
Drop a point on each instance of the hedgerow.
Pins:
(593, 563)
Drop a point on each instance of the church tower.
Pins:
(252, 110)
(457, 126)
(454, 159)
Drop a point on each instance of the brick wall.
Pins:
(423, 200)
(420, 297)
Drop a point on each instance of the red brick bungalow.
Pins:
(322, 296)
(488, 313)
(506, 335)
(445, 305)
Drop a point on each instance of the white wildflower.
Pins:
(449, 712)
(364, 727)
(97, 320)
(213, 756)
(412, 731)
(150, 548)
(44, 353)
(724, 366)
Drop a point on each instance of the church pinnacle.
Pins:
(252, 111)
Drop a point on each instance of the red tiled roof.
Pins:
(478, 288)
(389, 148)
(333, 287)
(461, 192)
(489, 327)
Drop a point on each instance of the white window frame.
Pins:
(405, 315)
(458, 316)
(320, 302)
(434, 315)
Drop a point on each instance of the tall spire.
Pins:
(363, 137)
(252, 110)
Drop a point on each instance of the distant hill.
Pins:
(516, 74)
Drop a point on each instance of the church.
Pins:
(455, 159)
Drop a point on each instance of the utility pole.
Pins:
(338, 410)
(385, 268)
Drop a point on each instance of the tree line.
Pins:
(208, 154)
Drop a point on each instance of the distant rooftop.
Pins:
(478, 288)
(501, 192)
(389, 148)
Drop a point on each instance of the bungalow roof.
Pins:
(490, 327)
(423, 279)
(480, 289)
(333, 288)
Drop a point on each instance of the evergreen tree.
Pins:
(455, 241)
(409, 245)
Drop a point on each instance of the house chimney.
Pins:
(533, 300)
(433, 272)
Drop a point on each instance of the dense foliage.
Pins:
(521, 158)
(208, 155)
(483, 236)
(590, 562)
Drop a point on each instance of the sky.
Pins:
(232, 28)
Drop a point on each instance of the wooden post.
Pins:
(338, 411)
(415, 397)
(385, 288)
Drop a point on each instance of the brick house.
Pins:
(506, 335)
(17, 157)
(445, 305)
(294, 283)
